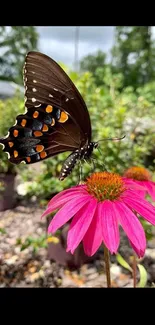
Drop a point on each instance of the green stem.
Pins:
(107, 266)
(134, 271)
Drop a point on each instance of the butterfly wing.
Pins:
(46, 82)
(56, 118)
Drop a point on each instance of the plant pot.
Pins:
(7, 195)
(57, 252)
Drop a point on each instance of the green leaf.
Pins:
(143, 276)
(123, 263)
(2, 231)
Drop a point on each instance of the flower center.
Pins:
(138, 173)
(105, 186)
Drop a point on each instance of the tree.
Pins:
(134, 55)
(15, 42)
(95, 64)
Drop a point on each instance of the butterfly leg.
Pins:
(103, 164)
(93, 160)
(80, 172)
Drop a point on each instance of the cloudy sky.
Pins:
(59, 42)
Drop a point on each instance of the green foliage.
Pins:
(92, 62)
(142, 271)
(148, 229)
(35, 243)
(95, 64)
(38, 242)
(123, 262)
(15, 42)
(9, 109)
(143, 276)
(2, 231)
(134, 55)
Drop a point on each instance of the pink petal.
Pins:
(139, 252)
(93, 237)
(67, 212)
(109, 223)
(80, 224)
(132, 184)
(131, 226)
(57, 204)
(72, 190)
(144, 208)
(150, 187)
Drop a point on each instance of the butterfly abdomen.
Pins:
(69, 164)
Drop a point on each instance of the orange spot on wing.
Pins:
(49, 109)
(63, 117)
(28, 159)
(43, 154)
(23, 122)
(38, 134)
(35, 114)
(11, 144)
(45, 128)
(15, 153)
(39, 148)
(15, 133)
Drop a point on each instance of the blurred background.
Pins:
(114, 69)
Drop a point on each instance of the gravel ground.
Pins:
(29, 268)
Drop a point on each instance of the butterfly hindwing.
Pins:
(39, 134)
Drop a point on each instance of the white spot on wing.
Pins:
(67, 99)
(8, 154)
(55, 89)
(33, 72)
(34, 81)
(33, 100)
(3, 146)
(7, 135)
(15, 123)
(34, 90)
(50, 95)
(25, 110)
(37, 105)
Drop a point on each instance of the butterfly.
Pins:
(56, 118)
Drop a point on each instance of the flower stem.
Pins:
(107, 266)
(134, 271)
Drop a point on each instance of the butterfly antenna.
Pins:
(115, 139)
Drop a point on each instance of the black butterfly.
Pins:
(56, 118)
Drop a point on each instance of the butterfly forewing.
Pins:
(46, 82)
(56, 118)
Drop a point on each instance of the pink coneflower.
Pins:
(141, 176)
(97, 208)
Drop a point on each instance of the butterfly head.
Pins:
(95, 144)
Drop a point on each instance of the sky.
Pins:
(59, 41)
